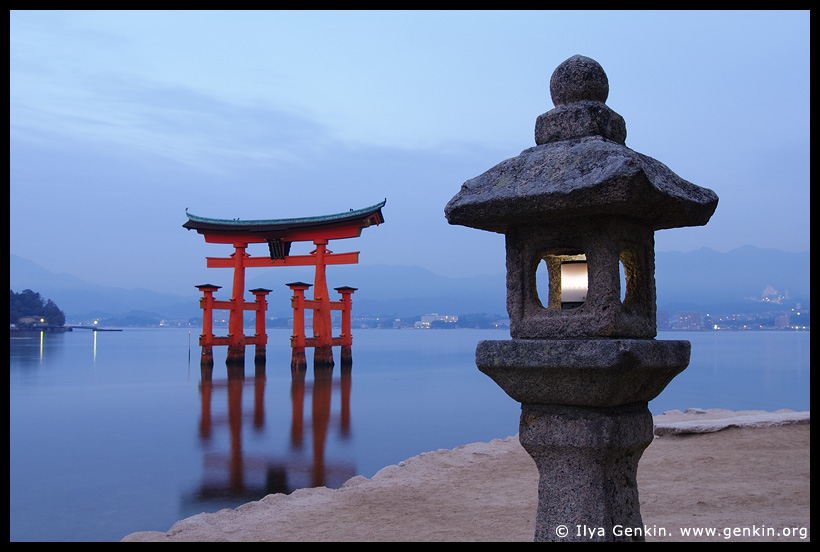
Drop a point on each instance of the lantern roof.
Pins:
(580, 166)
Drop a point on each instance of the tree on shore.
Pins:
(28, 303)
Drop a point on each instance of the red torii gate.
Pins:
(279, 235)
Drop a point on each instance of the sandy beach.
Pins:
(744, 476)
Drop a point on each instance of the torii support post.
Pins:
(260, 339)
(347, 337)
(206, 340)
(236, 329)
(322, 327)
(298, 363)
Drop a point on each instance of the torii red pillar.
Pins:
(346, 338)
(260, 338)
(206, 340)
(236, 323)
(322, 329)
(298, 361)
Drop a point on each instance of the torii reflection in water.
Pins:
(234, 474)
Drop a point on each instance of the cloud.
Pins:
(117, 194)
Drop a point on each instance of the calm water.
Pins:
(112, 432)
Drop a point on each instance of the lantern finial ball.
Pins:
(579, 78)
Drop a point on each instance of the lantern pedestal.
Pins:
(598, 373)
(585, 421)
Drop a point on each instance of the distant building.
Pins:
(428, 319)
(31, 320)
(688, 320)
(781, 322)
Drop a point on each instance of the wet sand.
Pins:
(743, 475)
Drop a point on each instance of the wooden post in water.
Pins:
(346, 336)
(322, 329)
(298, 362)
(206, 340)
(260, 338)
(236, 330)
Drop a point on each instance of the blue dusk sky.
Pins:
(120, 120)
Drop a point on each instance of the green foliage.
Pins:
(29, 304)
(478, 320)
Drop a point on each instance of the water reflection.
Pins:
(231, 473)
(34, 346)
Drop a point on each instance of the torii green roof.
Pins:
(268, 225)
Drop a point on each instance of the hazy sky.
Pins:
(120, 120)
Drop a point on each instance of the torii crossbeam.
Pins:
(279, 234)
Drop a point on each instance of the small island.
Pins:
(28, 311)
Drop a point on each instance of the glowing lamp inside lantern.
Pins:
(573, 284)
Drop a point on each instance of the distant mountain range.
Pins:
(705, 279)
(701, 280)
(78, 298)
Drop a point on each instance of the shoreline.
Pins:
(736, 471)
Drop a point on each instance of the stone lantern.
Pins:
(583, 368)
